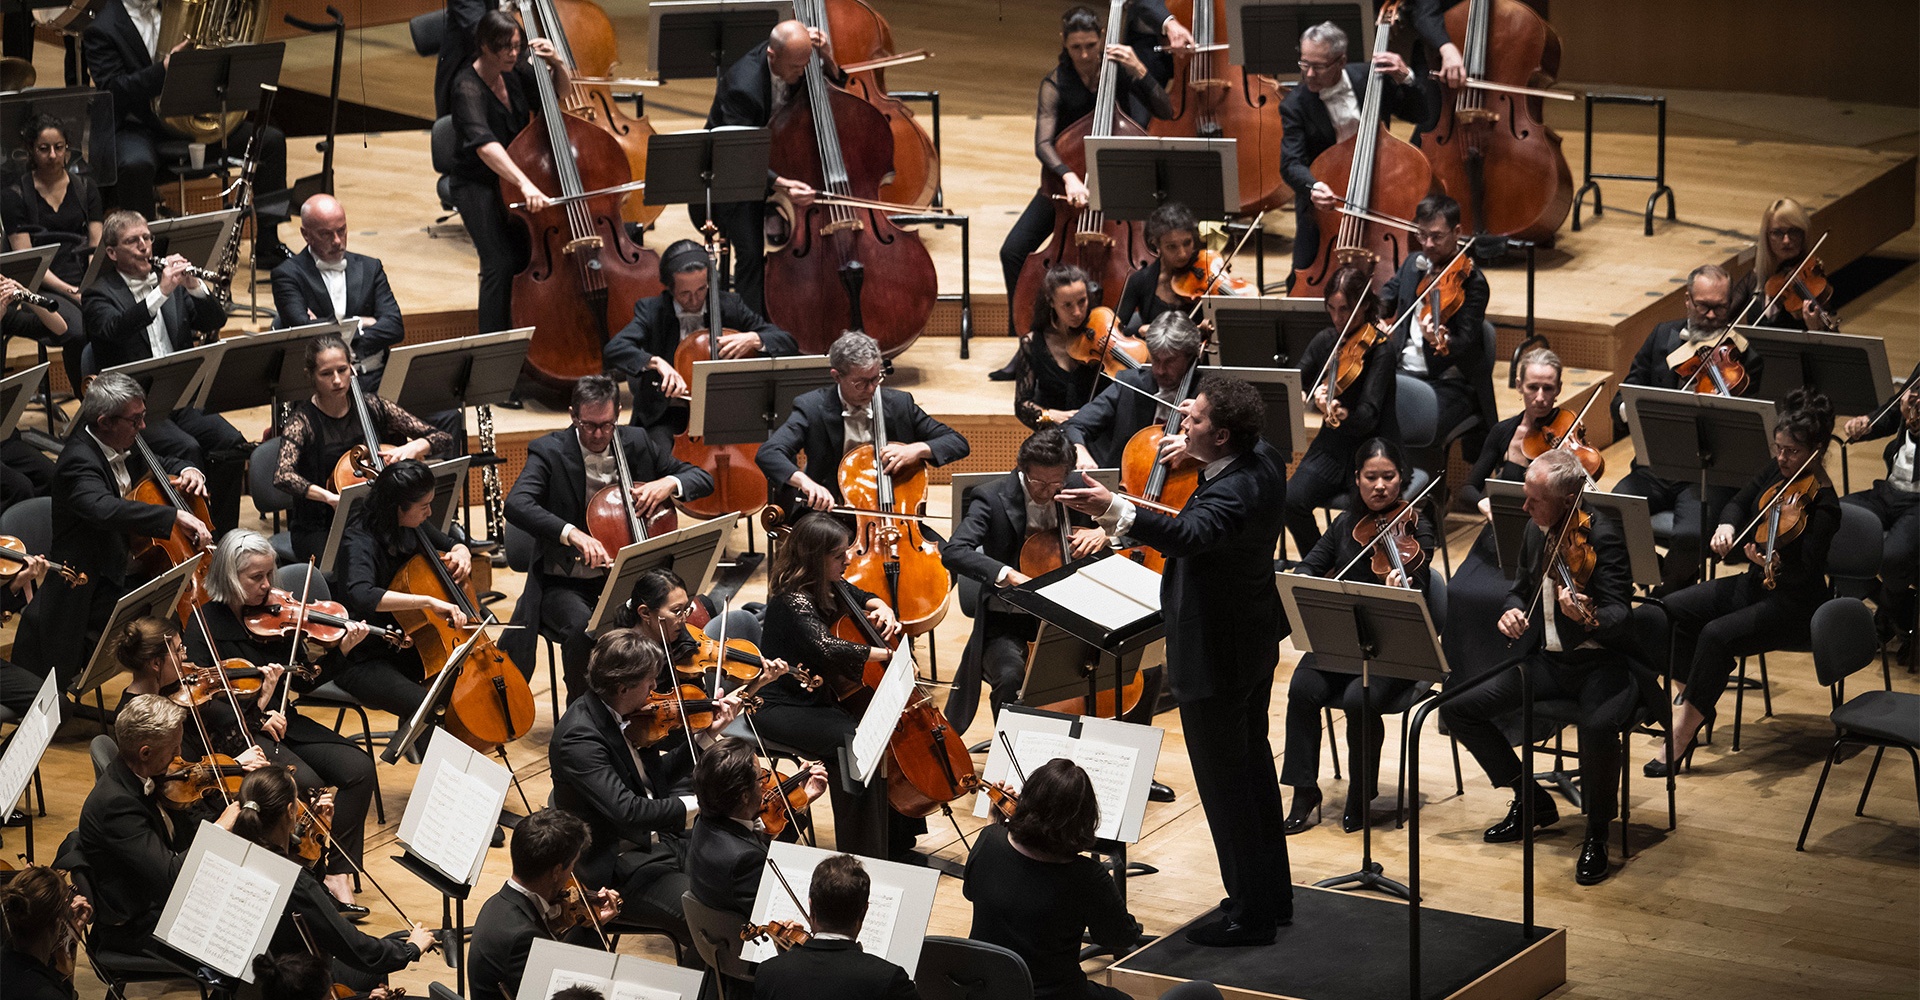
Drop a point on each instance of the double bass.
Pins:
(738, 484)
(584, 275)
(860, 35)
(1492, 148)
(840, 265)
(1107, 250)
(490, 704)
(892, 556)
(1214, 99)
(583, 35)
(1380, 175)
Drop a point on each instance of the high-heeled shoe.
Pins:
(1305, 801)
(1355, 815)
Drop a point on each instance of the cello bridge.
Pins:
(852, 225)
(590, 244)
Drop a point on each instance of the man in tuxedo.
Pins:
(123, 59)
(728, 846)
(92, 519)
(549, 501)
(1322, 112)
(753, 90)
(829, 422)
(1101, 429)
(1462, 377)
(324, 283)
(642, 352)
(1225, 623)
(545, 847)
(1709, 313)
(1895, 502)
(832, 966)
(141, 308)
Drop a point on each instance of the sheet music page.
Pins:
(1110, 593)
(225, 909)
(27, 745)
(564, 978)
(635, 991)
(457, 823)
(883, 912)
(1128, 579)
(1110, 767)
(883, 712)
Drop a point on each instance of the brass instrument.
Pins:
(209, 24)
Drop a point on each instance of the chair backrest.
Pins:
(435, 991)
(1844, 639)
(31, 521)
(88, 364)
(428, 31)
(1418, 409)
(293, 580)
(444, 143)
(954, 968)
(520, 548)
(102, 750)
(716, 936)
(1437, 600)
(1853, 560)
(261, 466)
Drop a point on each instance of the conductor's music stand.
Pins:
(1130, 176)
(1264, 332)
(1693, 437)
(264, 369)
(1265, 35)
(703, 38)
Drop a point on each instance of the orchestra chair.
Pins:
(428, 31)
(293, 580)
(119, 968)
(443, 144)
(521, 552)
(1433, 459)
(1844, 640)
(953, 968)
(269, 499)
(716, 937)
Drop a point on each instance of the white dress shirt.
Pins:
(146, 20)
(856, 423)
(690, 322)
(117, 461)
(334, 276)
(1901, 475)
(1343, 106)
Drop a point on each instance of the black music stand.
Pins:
(172, 381)
(195, 237)
(219, 81)
(701, 168)
(1629, 511)
(691, 553)
(1850, 369)
(1265, 37)
(1285, 426)
(264, 369)
(702, 39)
(1094, 653)
(743, 401)
(1130, 176)
(16, 393)
(29, 266)
(1693, 437)
(1264, 332)
(454, 374)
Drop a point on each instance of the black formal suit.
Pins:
(831, 970)
(503, 935)
(1462, 377)
(816, 427)
(550, 494)
(654, 331)
(91, 525)
(1326, 471)
(1897, 508)
(1308, 131)
(724, 860)
(1110, 419)
(1224, 625)
(133, 856)
(360, 960)
(300, 297)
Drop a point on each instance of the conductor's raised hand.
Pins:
(1088, 498)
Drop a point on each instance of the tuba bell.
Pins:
(209, 24)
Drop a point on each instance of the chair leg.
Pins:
(1626, 796)
(1766, 690)
(1872, 772)
(1739, 702)
(1333, 744)
(1459, 784)
(553, 679)
(1819, 787)
(366, 742)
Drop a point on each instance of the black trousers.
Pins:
(744, 223)
(1598, 679)
(217, 449)
(1233, 772)
(27, 470)
(565, 605)
(1306, 234)
(18, 686)
(393, 683)
(1322, 475)
(1716, 622)
(502, 242)
(138, 149)
(1028, 233)
(1313, 689)
(322, 758)
(650, 883)
(1899, 513)
(1681, 565)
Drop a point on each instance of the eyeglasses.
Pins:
(136, 238)
(138, 419)
(866, 383)
(1782, 232)
(596, 426)
(1315, 67)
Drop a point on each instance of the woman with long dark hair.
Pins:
(662, 605)
(51, 204)
(41, 917)
(1049, 385)
(1363, 410)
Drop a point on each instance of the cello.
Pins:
(363, 461)
(891, 556)
(1107, 250)
(739, 487)
(1380, 175)
(583, 35)
(839, 266)
(490, 704)
(1146, 477)
(584, 275)
(859, 34)
(157, 555)
(1214, 99)
(1492, 148)
(612, 518)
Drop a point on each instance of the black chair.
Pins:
(521, 552)
(443, 143)
(269, 499)
(1844, 641)
(716, 937)
(120, 968)
(293, 580)
(954, 968)
(31, 521)
(428, 31)
(102, 750)
(435, 991)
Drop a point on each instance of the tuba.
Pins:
(209, 24)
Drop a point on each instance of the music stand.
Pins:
(422, 718)
(170, 383)
(195, 237)
(1116, 650)
(1130, 176)
(86, 113)
(1690, 436)
(1850, 369)
(701, 167)
(455, 374)
(1285, 425)
(157, 598)
(741, 402)
(1265, 37)
(703, 39)
(1264, 332)
(691, 553)
(29, 266)
(16, 394)
(1373, 629)
(261, 369)
(1630, 512)
(219, 81)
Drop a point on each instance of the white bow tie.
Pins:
(337, 267)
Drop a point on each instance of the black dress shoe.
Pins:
(1355, 815)
(1306, 802)
(1227, 932)
(352, 911)
(1592, 868)
(1158, 792)
(1509, 830)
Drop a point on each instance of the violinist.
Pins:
(1779, 254)
(1363, 409)
(1771, 605)
(1324, 111)
(728, 847)
(1224, 625)
(324, 427)
(564, 470)
(42, 918)
(529, 906)
(1379, 478)
(1709, 313)
(661, 608)
(637, 802)
(1585, 629)
(1173, 234)
(829, 422)
(1895, 502)
(1036, 892)
(832, 966)
(94, 525)
(269, 807)
(1050, 385)
(643, 350)
(1443, 351)
(1101, 429)
(491, 103)
(304, 975)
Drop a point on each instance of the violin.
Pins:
(1803, 291)
(1392, 527)
(1001, 798)
(1103, 342)
(613, 516)
(310, 837)
(688, 706)
(232, 678)
(781, 794)
(741, 661)
(363, 461)
(575, 909)
(1786, 504)
(325, 622)
(1208, 275)
(1213, 99)
(13, 561)
(738, 484)
(1715, 367)
(1144, 475)
(1440, 296)
(1573, 560)
(1564, 429)
(490, 704)
(785, 934)
(891, 556)
(187, 783)
(1346, 363)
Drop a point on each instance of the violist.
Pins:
(1049, 384)
(1445, 352)
(1173, 234)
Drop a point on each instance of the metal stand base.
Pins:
(1659, 175)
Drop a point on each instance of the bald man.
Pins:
(753, 90)
(324, 283)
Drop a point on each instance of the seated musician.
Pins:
(637, 801)
(829, 422)
(1895, 502)
(1364, 409)
(1708, 313)
(1173, 234)
(1461, 376)
(987, 545)
(324, 283)
(39, 914)
(372, 551)
(325, 426)
(1101, 429)
(59, 326)
(1782, 247)
(544, 848)
(1049, 385)
(303, 975)
(25, 471)
(750, 93)
(564, 470)
(94, 525)
(18, 685)
(728, 846)
(643, 351)
(1379, 479)
(1581, 660)
(1036, 892)
(832, 964)
(51, 205)
(1719, 620)
(661, 607)
(1324, 111)
(140, 308)
(270, 807)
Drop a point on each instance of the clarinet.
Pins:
(493, 500)
(227, 264)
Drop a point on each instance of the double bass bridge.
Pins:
(851, 224)
(1356, 257)
(588, 244)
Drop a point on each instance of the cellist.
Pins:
(1364, 409)
(1460, 372)
(1101, 429)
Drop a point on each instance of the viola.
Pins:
(739, 487)
(13, 560)
(1803, 291)
(490, 704)
(1208, 275)
(1144, 475)
(861, 35)
(1564, 429)
(1440, 296)
(1214, 99)
(667, 712)
(785, 934)
(613, 514)
(1001, 798)
(1398, 551)
(1715, 367)
(584, 37)
(781, 795)
(1103, 342)
(1573, 560)
(575, 909)
(310, 836)
(363, 461)
(1346, 363)
(187, 783)
(1784, 508)
(324, 622)
(891, 556)
(234, 677)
